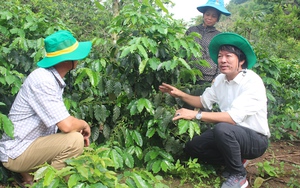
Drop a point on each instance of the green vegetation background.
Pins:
(137, 45)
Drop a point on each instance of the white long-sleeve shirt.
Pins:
(244, 98)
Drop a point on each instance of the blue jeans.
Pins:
(227, 144)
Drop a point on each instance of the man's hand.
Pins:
(71, 124)
(173, 91)
(86, 133)
(184, 113)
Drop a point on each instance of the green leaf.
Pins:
(6, 15)
(150, 132)
(196, 128)
(142, 65)
(166, 155)
(258, 182)
(49, 177)
(129, 161)
(153, 154)
(133, 108)
(79, 77)
(142, 51)
(87, 100)
(129, 138)
(184, 63)
(164, 166)
(183, 126)
(7, 125)
(83, 171)
(156, 167)
(99, 6)
(161, 5)
(191, 131)
(95, 133)
(138, 180)
(117, 159)
(93, 76)
(40, 173)
(138, 151)
(145, 103)
(73, 180)
(10, 79)
(137, 138)
(125, 51)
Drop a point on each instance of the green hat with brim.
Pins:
(232, 39)
(217, 4)
(62, 46)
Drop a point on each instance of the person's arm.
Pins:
(217, 117)
(173, 91)
(210, 117)
(71, 124)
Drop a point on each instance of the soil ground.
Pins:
(288, 153)
(283, 152)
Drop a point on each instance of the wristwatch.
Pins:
(199, 115)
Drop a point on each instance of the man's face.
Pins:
(229, 64)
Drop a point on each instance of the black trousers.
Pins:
(228, 145)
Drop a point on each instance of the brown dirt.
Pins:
(288, 153)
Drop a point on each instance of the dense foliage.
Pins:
(136, 47)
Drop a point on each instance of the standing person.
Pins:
(241, 128)
(39, 111)
(212, 11)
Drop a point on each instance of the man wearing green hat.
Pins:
(241, 128)
(39, 111)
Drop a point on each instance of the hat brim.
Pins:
(203, 8)
(81, 52)
(232, 39)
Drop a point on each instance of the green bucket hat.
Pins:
(62, 46)
(232, 39)
(217, 4)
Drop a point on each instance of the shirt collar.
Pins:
(58, 78)
(208, 28)
(237, 79)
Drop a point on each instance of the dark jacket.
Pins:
(209, 73)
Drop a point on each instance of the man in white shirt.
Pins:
(241, 128)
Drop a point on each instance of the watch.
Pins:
(199, 115)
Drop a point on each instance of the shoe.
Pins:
(235, 181)
(225, 174)
(245, 162)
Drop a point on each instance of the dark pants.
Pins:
(227, 145)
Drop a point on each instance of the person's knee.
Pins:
(221, 130)
(76, 142)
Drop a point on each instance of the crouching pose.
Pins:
(241, 129)
(39, 111)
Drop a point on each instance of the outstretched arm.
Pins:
(173, 91)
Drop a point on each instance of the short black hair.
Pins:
(235, 50)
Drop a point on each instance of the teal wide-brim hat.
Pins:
(62, 46)
(217, 4)
(232, 39)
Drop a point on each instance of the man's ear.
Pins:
(242, 63)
